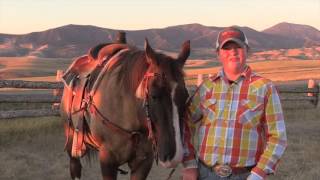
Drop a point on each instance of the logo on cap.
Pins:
(231, 34)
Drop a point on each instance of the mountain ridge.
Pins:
(74, 40)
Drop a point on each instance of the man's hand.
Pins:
(190, 174)
(254, 176)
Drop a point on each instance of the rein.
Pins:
(89, 104)
(149, 125)
(148, 120)
(112, 125)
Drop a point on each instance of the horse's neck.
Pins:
(128, 74)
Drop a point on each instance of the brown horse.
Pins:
(135, 113)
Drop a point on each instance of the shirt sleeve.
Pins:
(189, 155)
(275, 131)
(254, 176)
(195, 108)
(193, 115)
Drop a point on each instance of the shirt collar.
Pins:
(245, 74)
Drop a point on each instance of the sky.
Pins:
(25, 16)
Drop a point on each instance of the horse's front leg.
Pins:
(140, 165)
(140, 169)
(108, 165)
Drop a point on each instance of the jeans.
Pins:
(206, 174)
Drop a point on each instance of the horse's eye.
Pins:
(154, 97)
(156, 93)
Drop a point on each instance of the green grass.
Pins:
(22, 106)
(25, 129)
(301, 159)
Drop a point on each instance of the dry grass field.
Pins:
(31, 67)
(278, 71)
(32, 148)
(44, 69)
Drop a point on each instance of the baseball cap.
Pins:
(231, 34)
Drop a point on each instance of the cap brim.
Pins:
(239, 42)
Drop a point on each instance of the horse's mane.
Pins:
(133, 65)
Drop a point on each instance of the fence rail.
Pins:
(311, 92)
(29, 98)
(30, 84)
(28, 113)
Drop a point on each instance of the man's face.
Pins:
(233, 57)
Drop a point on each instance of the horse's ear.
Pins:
(150, 54)
(184, 54)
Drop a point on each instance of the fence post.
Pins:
(57, 92)
(312, 85)
(318, 96)
(200, 79)
(59, 75)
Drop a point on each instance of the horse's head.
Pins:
(166, 95)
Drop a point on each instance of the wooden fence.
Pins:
(305, 92)
(53, 98)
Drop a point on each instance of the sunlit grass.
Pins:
(276, 70)
(23, 129)
(30, 67)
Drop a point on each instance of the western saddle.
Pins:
(81, 80)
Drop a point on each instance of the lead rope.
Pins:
(171, 173)
(151, 136)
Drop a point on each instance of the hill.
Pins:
(75, 40)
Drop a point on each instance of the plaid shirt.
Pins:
(239, 124)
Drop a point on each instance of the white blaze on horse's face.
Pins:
(140, 92)
(179, 149)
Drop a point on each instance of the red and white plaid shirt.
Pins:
(240, 124)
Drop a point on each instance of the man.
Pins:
(241, 133)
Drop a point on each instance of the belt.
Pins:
(224, 170)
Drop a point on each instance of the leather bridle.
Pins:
(148, 120)
(89, 104)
